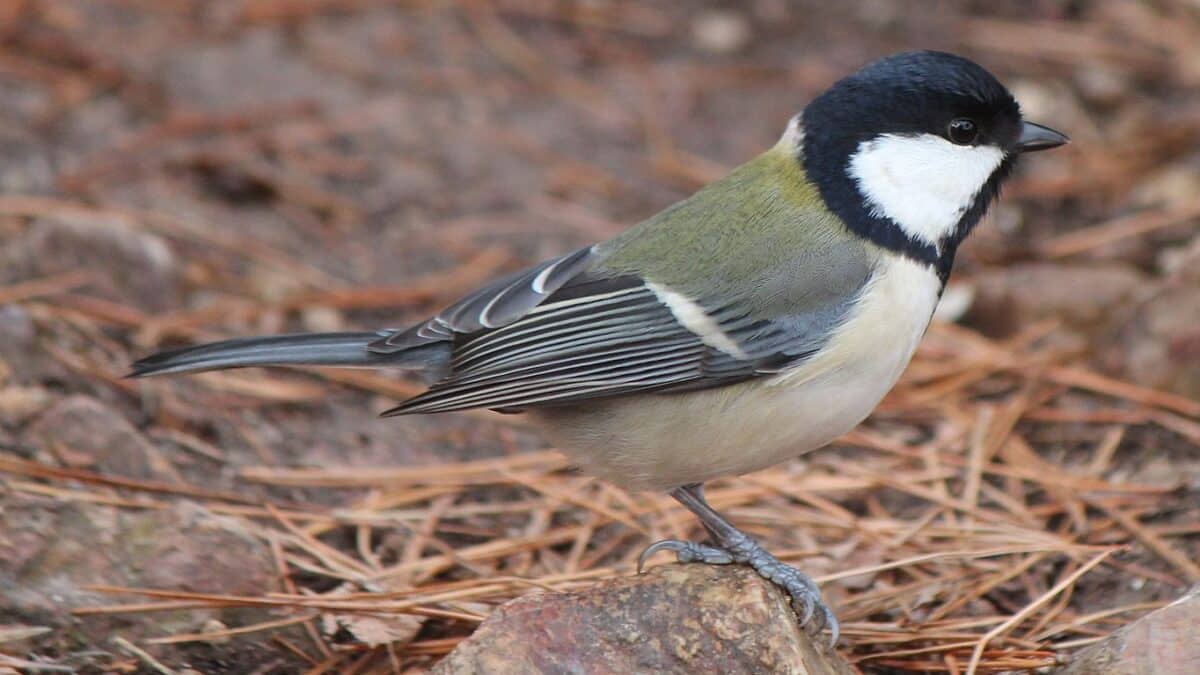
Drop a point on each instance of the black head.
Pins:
(910, 150)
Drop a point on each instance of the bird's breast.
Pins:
(881, 332)
(661, 441)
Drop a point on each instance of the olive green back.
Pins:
(760, 236)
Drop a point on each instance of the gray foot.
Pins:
(735, 546)
(801, 589)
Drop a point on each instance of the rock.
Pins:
(1172, 187)
(1102, 84)
(320, 318)
(50, 551)
(1038, 98)
(257, 68)
(23, 361)
(1081, 295)
(1182, 263)
(18, 404)
(1159, 345)
(1161, 643)
(85, 433)
(674, 619)
(29, 166)
(721, 31)
(125, 262)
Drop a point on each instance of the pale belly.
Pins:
(662, 441)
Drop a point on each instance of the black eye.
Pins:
(962, 131)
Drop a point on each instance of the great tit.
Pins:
(756, 320)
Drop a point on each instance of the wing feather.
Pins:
(541, 331)
(497, 304)
(594, 346)
(570, 330)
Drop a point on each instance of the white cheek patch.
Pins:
(923, 183)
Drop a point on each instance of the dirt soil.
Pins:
(190, 169)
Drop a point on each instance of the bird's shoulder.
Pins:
(759, 238)
(714, 291)
(763, 231)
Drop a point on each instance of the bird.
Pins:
(758, 319)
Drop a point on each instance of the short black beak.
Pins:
(1036, 137)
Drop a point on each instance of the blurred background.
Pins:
(179, 170)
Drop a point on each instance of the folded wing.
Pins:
(598, 336)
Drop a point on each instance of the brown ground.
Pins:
(184, 169)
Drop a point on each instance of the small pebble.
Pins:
(721, 31)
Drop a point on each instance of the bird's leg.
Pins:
(735, 546)
(689, 551)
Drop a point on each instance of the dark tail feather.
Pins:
(312, 349)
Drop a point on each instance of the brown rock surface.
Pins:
(50, 552)
(1082, 296)
(674, 619)
(119, 258)
(84, 432)
(21, 359)
(1164, 642)
(1160, 344)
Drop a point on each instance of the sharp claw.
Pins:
(835, 630)
(804, 595)
(663, 545)
(685, 552)
(807, 614)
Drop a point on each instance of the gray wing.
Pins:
(599, 335)
(497, 304)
